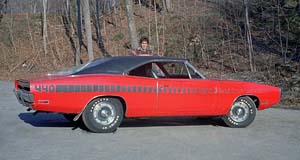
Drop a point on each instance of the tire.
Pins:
(69, 117)
(241, 114)
(103, 115)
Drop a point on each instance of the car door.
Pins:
(181, 94)
(140, 95)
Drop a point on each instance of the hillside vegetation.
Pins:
(213, 35)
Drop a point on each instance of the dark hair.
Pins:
(144, 39)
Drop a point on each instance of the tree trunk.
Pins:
(149, 23)
(45, 34)
(249, 38)
(280, 32)
(98, 33)
(131, 25)
(156, 27)
(88, 29)
(3, 4)
(168, 4)
(67, 22)
(79, 34)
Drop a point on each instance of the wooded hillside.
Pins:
(233, 39)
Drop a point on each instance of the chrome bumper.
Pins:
(26, 99)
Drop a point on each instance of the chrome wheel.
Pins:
(104, 113)
(239, 112)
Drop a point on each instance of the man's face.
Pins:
(144, 45)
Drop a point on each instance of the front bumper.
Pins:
(26, 99)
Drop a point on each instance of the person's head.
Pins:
(144, 42)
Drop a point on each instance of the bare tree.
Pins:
(45, 33)
(249, 38)
(131, 25)
(79, 34)
(3, 4)
(98, 33)
(156, 26)
(168, 5)
(88, 28)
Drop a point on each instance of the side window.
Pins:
(176, 70)
(194, 74)
(143, 71)
(158, 72)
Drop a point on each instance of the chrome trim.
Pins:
(194, 69)
(126, 72)
(24, 98)
(186, 67)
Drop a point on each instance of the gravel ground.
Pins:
(275, 134)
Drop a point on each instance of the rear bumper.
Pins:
(26, 99)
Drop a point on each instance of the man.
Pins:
(143, 49)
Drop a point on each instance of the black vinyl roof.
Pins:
(121, 64)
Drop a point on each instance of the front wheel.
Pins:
(103, 115)
(241, 114)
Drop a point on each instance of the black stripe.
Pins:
(77, 88)
(58, 88)
(211, 90)
(128, 89)
(106, 88)
(71, 88)
(89, 88)
(150, 89)
(159, 89)
(118, 88)
(123, 88)
(101, 88)
(112, 88)
(95, 88)
(83, 88)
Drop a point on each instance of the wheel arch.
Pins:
(122, 100)
(254, 98)
(124, 106)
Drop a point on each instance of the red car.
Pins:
(105, 91)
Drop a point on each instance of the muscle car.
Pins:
(105, 91)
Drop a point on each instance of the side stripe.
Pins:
(138, 89)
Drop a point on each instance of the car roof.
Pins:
(122, 64)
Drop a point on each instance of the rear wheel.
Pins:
(241, 114)
(103, 115)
